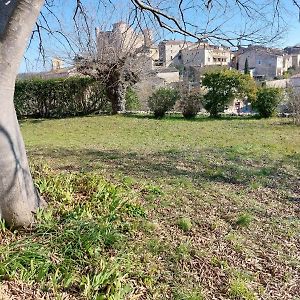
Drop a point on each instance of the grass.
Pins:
(170, 209)
(244, 220)
(239, 290)
(185, 224)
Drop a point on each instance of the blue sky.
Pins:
(232, 21)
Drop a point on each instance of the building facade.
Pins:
(204, 54)
(263, 62)
(169, 51)
(124, 39)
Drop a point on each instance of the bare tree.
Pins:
(293, 104)
(201, 19)
(117, 60)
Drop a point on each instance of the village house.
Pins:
(263, 62)
(294, 53)
(204, 54)
(169, 51)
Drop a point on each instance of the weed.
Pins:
(191, 295)
(182, 251)
(67, 248)
(129, 181)
(216, 262)
(152, 192)
(185, 224)
(244, 220)
(238, 290)
(2, 226)
(156, 246)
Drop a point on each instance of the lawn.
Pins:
(159, 209)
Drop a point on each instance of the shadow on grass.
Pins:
(201, 118)
(223, 165)
(31, 121)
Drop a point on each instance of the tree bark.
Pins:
(116, 95)
(18, 196)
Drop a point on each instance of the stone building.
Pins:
(169, 51)
(123, 39)
(293, 50)
(204, 54)
(57, 63)
(294, 54)
(263, 62)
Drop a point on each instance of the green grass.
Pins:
(244, 220)
(239, 290)
(185, 224)
(140, 208)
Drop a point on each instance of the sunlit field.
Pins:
(140, 208)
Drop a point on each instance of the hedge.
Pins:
(60, 97)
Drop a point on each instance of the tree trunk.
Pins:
(116, 95)
(18, 197)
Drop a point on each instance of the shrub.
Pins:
(132, 100)
(223, 87)
(162, 100)
(267, 101)
(60, 97)
(191, 105)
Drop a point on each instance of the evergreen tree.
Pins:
(246, 68)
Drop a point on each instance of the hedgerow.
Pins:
(60, 97)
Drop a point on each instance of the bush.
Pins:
(132, 100)
(223, 87)
(191, 105)
(55, 98)
(267, 101)
(162, 100)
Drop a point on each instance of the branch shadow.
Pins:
(214, 165)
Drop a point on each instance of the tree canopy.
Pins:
(223, 87)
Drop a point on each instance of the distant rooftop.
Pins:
(262, 49)
(177, 42)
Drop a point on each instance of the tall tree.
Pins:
(18, 197)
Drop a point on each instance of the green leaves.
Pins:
(77, 242)
(223, 87)
(59, 97)
(267, 101)
(162, 100)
